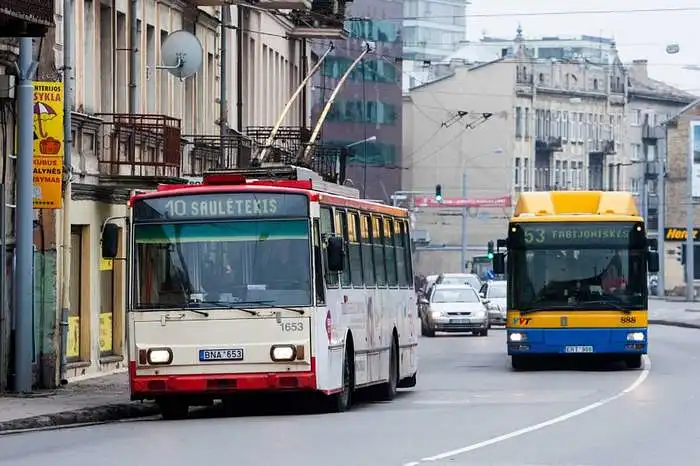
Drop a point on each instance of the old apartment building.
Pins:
(171, 131)
(555, 124)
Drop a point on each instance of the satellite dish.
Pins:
(181, 54)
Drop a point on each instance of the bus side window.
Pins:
(354, 249)
(327, 228)
(406, 234)
(390, 252)
(366, 242)
(378, 250)
(341, 228)
(401, 254)
(318, 265)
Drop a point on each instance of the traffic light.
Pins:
(438, 192)
(490, 250)
(680, 254)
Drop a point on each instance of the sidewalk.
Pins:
(100, 399)
(674, 313)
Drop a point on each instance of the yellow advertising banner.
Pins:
(106, 264)
(73, 344)
(48, 145)
(106, 345)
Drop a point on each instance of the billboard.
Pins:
(48, 145)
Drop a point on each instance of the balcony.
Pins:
(549, 144)
(213, 152)
(291, 142)
(140, 148)
(602, 146)
(651, 134)
(324, 20)
(26, 18)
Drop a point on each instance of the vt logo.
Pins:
(522, 320)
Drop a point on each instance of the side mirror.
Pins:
(653, 261)
(653, 244)
(423, 301)
(335, 253)
(110, 241)
(499, 263)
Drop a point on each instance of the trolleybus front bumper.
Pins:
(577, 341)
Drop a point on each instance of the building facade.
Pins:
(571, 125)
(172, 133)
(366, 116)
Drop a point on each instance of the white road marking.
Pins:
(526, 430)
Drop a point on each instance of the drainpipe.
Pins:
(239, 70)
(223, 94)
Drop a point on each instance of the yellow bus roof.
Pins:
(576, 206)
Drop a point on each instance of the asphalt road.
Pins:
(469, 408)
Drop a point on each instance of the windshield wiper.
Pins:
(611, 304)
(197, 311)
(270, 303)
(546, 308)
(222, 305)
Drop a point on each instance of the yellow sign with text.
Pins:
(73, 343)
(48, 145)
(106, 345)
(577, 319)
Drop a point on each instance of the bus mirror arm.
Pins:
(110, 238)
(335, 254)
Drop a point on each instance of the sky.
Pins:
(639, 35)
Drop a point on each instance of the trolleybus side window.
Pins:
(327, 229)
(366, 241)
(405, 233)
(378, 250)
(354, 249)
(403, 252)
(390, 252)
(341, 228)
(318, 265)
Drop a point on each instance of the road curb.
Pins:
(673, 323)
(105, 413)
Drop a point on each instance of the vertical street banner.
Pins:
(48, 145)
(694, 147)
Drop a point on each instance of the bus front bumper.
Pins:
(577, 341)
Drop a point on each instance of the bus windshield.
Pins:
(578, 267)
(267, 262)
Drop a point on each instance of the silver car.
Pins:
(453, 308)
(494, 293)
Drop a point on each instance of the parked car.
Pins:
(494, 294)
(453, 308)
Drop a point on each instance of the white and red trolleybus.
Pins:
(240, 284)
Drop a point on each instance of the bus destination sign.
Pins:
(221, 206)
(579, 234)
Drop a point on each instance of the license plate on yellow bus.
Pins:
(579, 349)
(232, 354)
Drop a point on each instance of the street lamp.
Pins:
(673, 49)
(364, 167)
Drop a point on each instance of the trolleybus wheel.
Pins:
(519, 363)
(387, 390)
(173, 409)
(634, 362)
(341, 402)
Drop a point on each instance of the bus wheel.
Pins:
(173, 409)
(341, 402)
(387, 390)
(634, 362)
(519, 363)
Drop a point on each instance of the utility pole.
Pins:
(465, 213)
(690, 214)
(661, 162)
(24, 290)
(68, 80)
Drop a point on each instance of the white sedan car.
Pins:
(453, 308)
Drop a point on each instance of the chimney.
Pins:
(639, 69)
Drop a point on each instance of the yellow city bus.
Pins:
(577, 276)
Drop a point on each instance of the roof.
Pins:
(539, 205)
(691, 105)
(653, 89)
(468, 67)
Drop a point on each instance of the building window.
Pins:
(376, 154)
(516, 174)
(379, 31)
(107, 307)
(518, 122)
(377, 71)
(358, 111)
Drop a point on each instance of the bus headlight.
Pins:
(159, 356)
(635, 336)
(517, 337)
(283, 352)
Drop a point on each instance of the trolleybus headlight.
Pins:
(283, 352)
(517, 337)
(635, 336)
(159, 356)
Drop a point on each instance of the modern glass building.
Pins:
(366, 116)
